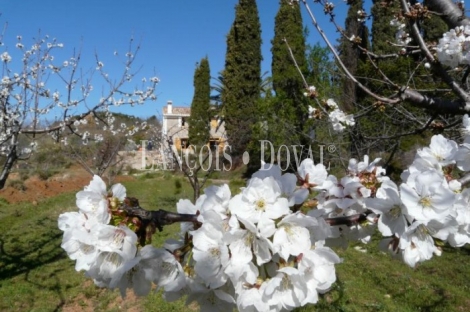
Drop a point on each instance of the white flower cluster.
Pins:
(401, 37)
(99, 248)
(453, 47)
(311, 92)
(251, 251)
(5, 57)
(9, 123)
(338, 118)
(429, 205)
(257, 251)
(347, 196)
(272, 258)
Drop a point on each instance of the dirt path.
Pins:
(72, 179)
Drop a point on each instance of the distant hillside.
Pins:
(117, 122)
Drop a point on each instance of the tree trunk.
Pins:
(12, 157)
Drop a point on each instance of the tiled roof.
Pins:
(177, 110)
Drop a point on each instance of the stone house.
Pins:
(175, 126)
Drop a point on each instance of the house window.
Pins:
(213, 123)
(183, 122)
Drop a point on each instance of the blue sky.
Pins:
(174, 36)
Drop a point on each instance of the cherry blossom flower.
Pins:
(251, 242)
(361, 16)
(388, 205)
(452, 48)
(217, 199)
(116, 238)
(441, 149)
(292, 236)
(313, 175)
(466, 126)
(462, 157)
(250, 298)
(131, 275)
(338, 119)
(93, 200)
(260, 199)
(5, 57)
(355, 167)
(287, 183)
(417, 245)
(317, 266)
(210, 251)
(286, 290)
(109, 267)
(161, 267)
(80, 245)
(426, 197)
(461, 235)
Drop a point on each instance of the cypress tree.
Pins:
(290, 106)
(200, 106)
(382, 33)
(350, 55)
(433, 27)
(242, 76)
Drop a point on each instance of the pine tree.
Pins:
(200, 106)
(290, 105)
(242, 76)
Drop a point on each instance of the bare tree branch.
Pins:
(449, 11)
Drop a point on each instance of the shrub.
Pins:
(178, 186)
(17, 184)
(46, 173)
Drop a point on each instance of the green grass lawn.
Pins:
(36, 274)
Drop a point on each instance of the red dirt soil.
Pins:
(72, 179)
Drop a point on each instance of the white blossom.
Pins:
(260, 199)
(417, 245)
(442, 149)
(5, 57)
(426, 196)
(210, 251)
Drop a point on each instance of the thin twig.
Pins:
(295, 63)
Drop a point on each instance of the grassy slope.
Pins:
(36, 275)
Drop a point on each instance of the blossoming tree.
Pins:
(32, 102)
(266, 248)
